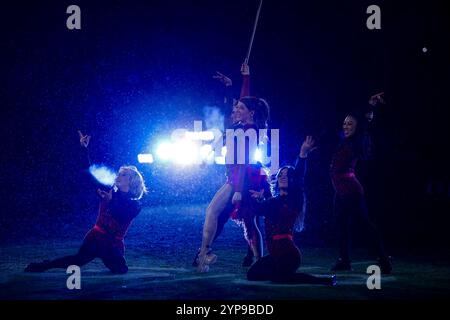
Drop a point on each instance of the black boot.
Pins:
(342, 265)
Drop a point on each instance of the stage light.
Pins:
(200, 135)
(103, 175)
(145, 158)
(185, 152)
(221, 159)
(257, 155)
(164, 151)
(206, 153)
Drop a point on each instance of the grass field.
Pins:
(160, 247)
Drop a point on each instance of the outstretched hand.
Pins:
(307, 146)
(237, 197)
(245, 70)
(223, 78)
(258, 195)
(376, 99)
(84, 139)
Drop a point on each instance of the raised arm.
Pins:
(245, 89)
(374, 101)
(228, 84)
(86, 164)
(300, 163)
(84, 143)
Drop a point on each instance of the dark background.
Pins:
(139, 69)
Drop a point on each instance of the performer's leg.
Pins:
(252, 235)
(361, 212)
(287, 264)
(287, 259)
(223, 218)
(262, 270)
(256, 243)
(113, 257)
(216, 206)
(343, 220)
(248, 259)
(342, 207)
(87, 252)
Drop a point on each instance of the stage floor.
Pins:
(160, 247)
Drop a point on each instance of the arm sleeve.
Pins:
(85, 158)
(300, 170)
(245, 89)
(228, 97)
(85, 163)
(226, 106)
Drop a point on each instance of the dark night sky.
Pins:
(139, 69)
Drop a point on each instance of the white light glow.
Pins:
(103, 174)
(220, 160)
(206, 153)
(185, 152)
(200, 135)
(145, 158)
(165, 151)
(258, 155)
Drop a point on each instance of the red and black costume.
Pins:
(235, 174)
(281, 213)
(349, 202)
(243, 177)
(105, 240)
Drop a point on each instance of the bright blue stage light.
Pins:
(201, 135)
(257, 156)
(145, 158)
(185, 152)
(164, 151)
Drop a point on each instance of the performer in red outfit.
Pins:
(248, 113)
(280, 215)
(117, 210)
(349, 202)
